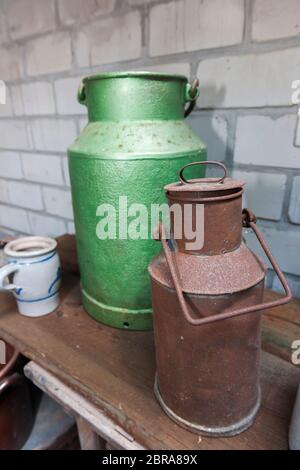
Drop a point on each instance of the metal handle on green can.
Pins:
(191, 94)
(81, 96)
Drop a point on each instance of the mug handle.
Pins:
(4, 272)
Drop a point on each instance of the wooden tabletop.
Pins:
(114, 369)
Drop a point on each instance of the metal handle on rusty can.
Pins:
(249, 220)
(207, 180)
(191, 95)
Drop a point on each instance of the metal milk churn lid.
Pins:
(207, 290)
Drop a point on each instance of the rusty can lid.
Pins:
(204, 184)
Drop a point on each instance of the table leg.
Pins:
(89, 440)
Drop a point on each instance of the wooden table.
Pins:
(110, 373)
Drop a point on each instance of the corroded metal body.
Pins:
(132, 146)
(207, 331)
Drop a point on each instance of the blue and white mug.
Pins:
(32, 274)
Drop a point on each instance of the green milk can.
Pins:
(134, 143)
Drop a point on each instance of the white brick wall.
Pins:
(294, 207)
(34, 98)
(43, 168)
(53, 134)
(71, 11)
(58, 202)
(49, 54)
(109, 40)
(275, 19)
(264, 193)
(10, 165)
(188, 25)
(245, 53)
(29, 17)
(14, 134)
(25, 195)
(251, 80)
(263, 140)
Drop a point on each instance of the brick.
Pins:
(25, 195)
(53, 135)
(264, 193)
(14, 218)
(212, 129)
(36, 98)
(293, 283)
(46, 226)
(66, 171)
(274, 19)
(189, 25)
(10, 165)
(58, 202)
(6, 109)
(71, 228)
(49, 54)
(284, 245)
(82, 123)
(179, 68)
(297, 139)
(10, 63)
(17, 100)
(71, 11)
(3, 28)
(262, 140)
(29, 17)
(42, 168)
(253, 80)
(14, 134)
(294, 207)
(4, 196)
(109, 40)
(66, 96)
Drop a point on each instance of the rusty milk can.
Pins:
(206, 310)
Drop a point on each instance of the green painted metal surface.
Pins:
(135, 142)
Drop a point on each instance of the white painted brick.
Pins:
(178, 68)
(3, 28)
(42, 168)
(46, 226)
(71, 11)
(17, 99)
(10, 165)
(213, 130)
(249, 80)
(71, 228)
(264, 193)
(109, 40)
(262, 140)
(66, 171)
(284, 245)
(14, 134)
(38, 98)
(53, 135)
(297, 139)
(25, 195)
(14, 218)
(189, 25)
(293, 283)
(49, 54)
(10, 63)
(294, 207)
(275, 19)
(28, 17)
(58, 202)
(66, 96)
(4, 196)
(82, 123)
(6, 109)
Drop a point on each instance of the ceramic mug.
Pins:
(32, 274)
